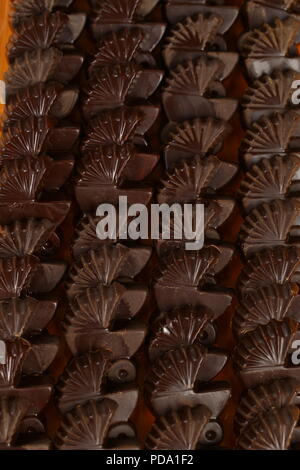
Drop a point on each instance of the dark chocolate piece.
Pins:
(22, 180)
(50, 99)
(104, 171)
(271, 431)
(270, 225)
(181, 327)
(22, 317)
(40, 66)
(23, 9)
(86, 427)
(15, 276)
(113, 86)
(272, 135)
(271, 47)
(216, 212)
(274, 302)
(263, 354)
(119, 126)
(121, 47)
(106, 265)
(175, 380)
(187, 278)
(24, 237)
(276, 266)
(198, 176)
(194, 90)
(178, 10)
(87, 378)
(269, 179)
(180, 430)
(263, 398)
(269, 94)
(266, 11)
(198, 137)
(44, 31)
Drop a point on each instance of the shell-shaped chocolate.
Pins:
(271, 39)
(258, 400)
(106, 265)
(20, 180)
(284, 4)
(191, 179)
(199, 32)
(182, 327)
(269, 224)
(178, 430)
(199, 136)
(110, 87)
(270, 178)
(266, 346)
(23, 9)
(15, 354)
(83, 379)
(186, 268)
(196, 77)
(12, 411)
(112, 127)
(40, 32)
(18, 317)
(32, 68)
(26, 139)
(275, 266)
(24, 237)
(15, 275)
(271, 134)
(273, 90)
(110, 12)
(86, 236)
(117, 48)
(263, 305)
(96, 308)
(270, 431)
(86, 427)
(33, 101)
(176, 371)
(105, 166)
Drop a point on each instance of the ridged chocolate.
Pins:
(265, 347)
(86, 427)
(270, 431)
(270, 225)
(106, 265)
(180, 430)
(269, 179)
(40, 66)
(271, 39)
(198, 137)
(198, 176)
(274, 302)
(276, 266)
(262, 399)
(182, 327)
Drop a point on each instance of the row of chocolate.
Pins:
(184, 361)
(98, 391)
(36, 158)
(266, 322)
